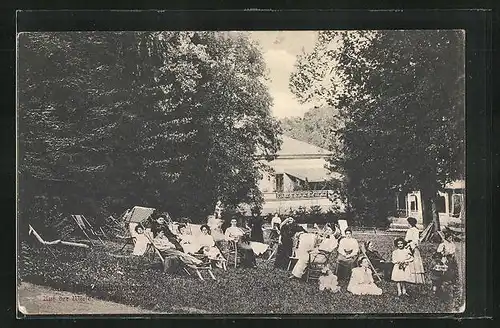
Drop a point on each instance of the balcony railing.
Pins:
(302, 194)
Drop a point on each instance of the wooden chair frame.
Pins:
(316, 271)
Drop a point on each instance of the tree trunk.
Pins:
(435, 215)
(429, 209)
(426, 207)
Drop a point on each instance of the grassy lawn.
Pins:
(140, 282)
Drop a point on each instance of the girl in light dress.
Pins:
(401, 257)
(361, 282)
(412, 239)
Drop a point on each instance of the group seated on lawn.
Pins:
(309, 254)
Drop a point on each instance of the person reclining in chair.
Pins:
(141, 241)
(378, 262)
(326, 246)
(170, 248)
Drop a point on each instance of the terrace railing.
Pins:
(301, 194)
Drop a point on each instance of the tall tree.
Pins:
(401, 96)
(165, 119)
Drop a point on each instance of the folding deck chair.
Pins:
(86, 228)
(363, 253)
(189, 269)
(133, 217)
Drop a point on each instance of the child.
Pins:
(361, 282)
(438, 272)
(447, 250)
(401, 256)
(328, 281)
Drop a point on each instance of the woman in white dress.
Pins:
(206, 244)
(361, 282)
(348, 253)
(401, 257)
(186, 240)
(412, 239)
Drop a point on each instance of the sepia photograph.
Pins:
(241, 172)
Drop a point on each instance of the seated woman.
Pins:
(319, 255)
(236, 236)
(348, 253)
(168, 249)
(215, 225)
(361, 282)
(206, 244)
(378, 262)
(141, 241)
(186, 240)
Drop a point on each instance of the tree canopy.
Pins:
(317, 127)
(163, 119)
(400, 95)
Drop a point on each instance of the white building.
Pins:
(297, 178)
(450, 204)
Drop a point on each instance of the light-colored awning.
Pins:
(458, 184)
(318, 174)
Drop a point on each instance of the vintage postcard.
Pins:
(241, 172)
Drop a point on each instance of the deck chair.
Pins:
(86, 228)
(189, 269)
(315, 269)
(363, 254)
(134, 217)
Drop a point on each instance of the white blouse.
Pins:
(328, 245)
(446, 248)
(347, 245)
(205, 240)
(233, 233)
(413, 237)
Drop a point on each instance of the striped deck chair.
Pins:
(86, 228)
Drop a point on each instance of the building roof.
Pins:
(293, 147)
(317, 174)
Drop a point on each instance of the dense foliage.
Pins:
(162, 119)
(317, 127)
(400, 95)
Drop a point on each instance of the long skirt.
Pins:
(364, 289)
(283, 255)
(345, 266)
(416, 269)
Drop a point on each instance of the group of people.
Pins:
(178, 242)
(355, 265)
